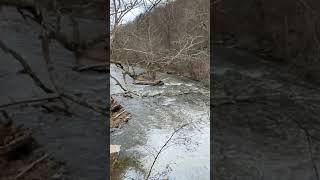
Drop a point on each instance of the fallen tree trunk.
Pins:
(101, 67)
(152, 83)
(31, 100)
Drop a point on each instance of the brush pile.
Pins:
(119, 115)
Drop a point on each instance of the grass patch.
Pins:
(119, 167)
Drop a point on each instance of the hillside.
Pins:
(171, 37)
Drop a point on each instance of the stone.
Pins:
(114, 152)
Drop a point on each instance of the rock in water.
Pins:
(114, 152)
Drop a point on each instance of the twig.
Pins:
(46, 55)
(123, 88)
(32, 165)
(309, 139)
(26, 67)
(53, 97)
(85, 104)
(154, 4)
(16, 143)
(311, 156)
(30, 6)
(155, 159)
(307, 6)
(54, 32)
(118, 83)
(119, 114)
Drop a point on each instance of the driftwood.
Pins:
(15, 144)
(116, 107)
(101, 67)
(152, 83)
(32, 100)
(55, 108)
(29, 167)
(119, 115)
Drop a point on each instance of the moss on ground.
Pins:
(120, 166)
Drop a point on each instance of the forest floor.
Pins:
(265, 119)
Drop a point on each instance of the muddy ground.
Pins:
(77, 135)
(265, 119)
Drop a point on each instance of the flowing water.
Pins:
(156, 114)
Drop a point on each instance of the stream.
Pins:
(155, 115)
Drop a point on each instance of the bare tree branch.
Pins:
(26, 67)
(162, 148)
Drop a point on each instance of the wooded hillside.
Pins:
(174, 36)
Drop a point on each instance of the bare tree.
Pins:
(174, 36)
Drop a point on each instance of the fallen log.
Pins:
(152, 83)
(101, 67)
(31, 100)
